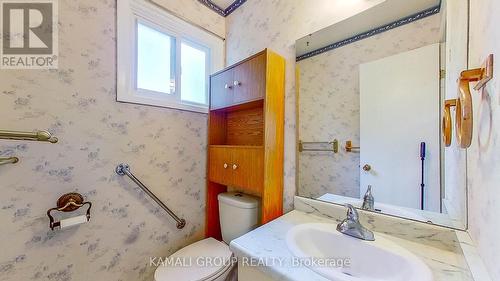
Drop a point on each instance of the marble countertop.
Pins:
(266, 246)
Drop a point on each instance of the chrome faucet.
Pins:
(368, 200)
(351, 226)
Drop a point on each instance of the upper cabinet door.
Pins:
(222, 89)
(250, 80)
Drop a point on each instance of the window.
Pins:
(194, 76)
(155, 60)
(162, 60)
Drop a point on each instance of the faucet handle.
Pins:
(352, 213)
(351, 226)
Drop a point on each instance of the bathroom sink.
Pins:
(319, 246)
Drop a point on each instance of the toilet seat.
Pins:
(201, 261)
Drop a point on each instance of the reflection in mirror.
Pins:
(374, 85)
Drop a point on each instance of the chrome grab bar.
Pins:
(8, 160)
(124, 169)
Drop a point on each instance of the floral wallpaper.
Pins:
(277, 25)
(329, 104)
(483, 157)
(194, 11)
(165, 148)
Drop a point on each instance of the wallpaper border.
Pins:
(223, 12)
(373, 32)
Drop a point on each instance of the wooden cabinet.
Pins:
(246, 135)
(250, 80)
(218, 165)
(221, 84)
(237, 166)
(248, 169)
(239, 84)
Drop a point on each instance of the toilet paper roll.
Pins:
(73, 221)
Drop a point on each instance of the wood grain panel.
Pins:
(274, 112)
(217, 127)
(248, 176)
(212, 227)
(245, 127)
(251, 76)
(220, 96)
(219, 169)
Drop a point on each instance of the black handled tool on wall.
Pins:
(422, 185)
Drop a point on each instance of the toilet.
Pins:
(210, 259)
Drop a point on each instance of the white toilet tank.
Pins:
(238, 213)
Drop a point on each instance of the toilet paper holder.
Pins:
(68, 203)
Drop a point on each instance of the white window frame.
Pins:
(129, 13)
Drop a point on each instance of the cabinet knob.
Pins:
(227, 86)
(237, 83)
(367, 167)
(225, 165)
(235, 166)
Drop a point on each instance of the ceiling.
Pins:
(382, 14)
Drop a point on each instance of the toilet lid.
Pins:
(198, 261)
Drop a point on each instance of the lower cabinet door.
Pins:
(219, 170)
(247, 166)
(241, 167)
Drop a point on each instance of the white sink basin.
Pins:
(379, 260)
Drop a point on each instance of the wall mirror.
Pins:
(371, 92)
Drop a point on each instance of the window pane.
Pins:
(193, 74)
(155, 60)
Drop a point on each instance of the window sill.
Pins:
(165, 104)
